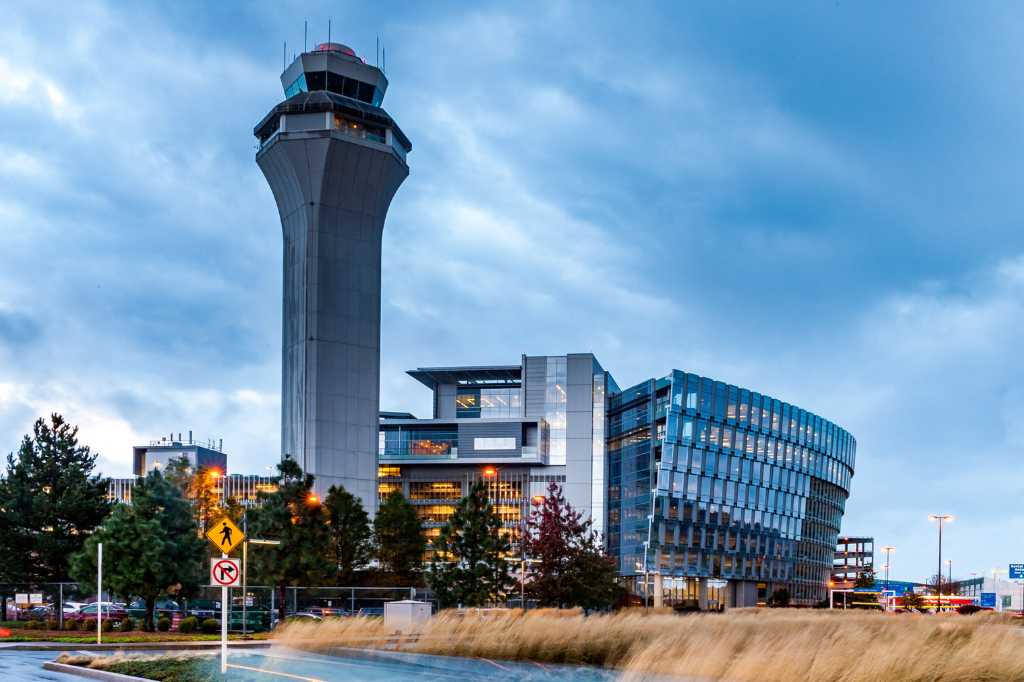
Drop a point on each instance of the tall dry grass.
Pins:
(744, 645)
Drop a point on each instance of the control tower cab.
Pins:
(334, 159)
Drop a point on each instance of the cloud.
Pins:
(772, 198)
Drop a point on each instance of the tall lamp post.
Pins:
(938, 576)
(887, 550)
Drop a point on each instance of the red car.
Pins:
(110, 612)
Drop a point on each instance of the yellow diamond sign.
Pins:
(225, 535)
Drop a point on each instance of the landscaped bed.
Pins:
(23, 634)
(188, 668)
(742, 645)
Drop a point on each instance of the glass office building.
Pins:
(517, 427)
(719, 496)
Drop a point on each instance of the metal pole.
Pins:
(522, 587)
(938, 578)
(60, 618)
(223, 625)
(352, 604)
(99, 593)
(245, 566)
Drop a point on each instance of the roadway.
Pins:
(281, 664)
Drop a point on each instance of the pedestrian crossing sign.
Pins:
(225, 535)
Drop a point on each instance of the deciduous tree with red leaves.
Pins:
(571, 566)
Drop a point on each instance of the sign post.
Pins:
(99, 593)
(1017, 573)
(226, 573)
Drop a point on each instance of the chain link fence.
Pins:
(252, 610)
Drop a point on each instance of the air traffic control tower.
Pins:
(334, 160)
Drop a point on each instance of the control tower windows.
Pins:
(336, 83)
(359, 130)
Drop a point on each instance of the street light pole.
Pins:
(887, 550)
(938, 577)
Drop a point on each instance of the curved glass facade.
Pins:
(712, 481)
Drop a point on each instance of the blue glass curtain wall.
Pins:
(723, 482)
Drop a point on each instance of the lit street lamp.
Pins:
(887, 550)
(938, 577)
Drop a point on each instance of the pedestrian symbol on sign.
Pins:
(225, 535)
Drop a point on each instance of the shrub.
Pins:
(210, 626)
(89, 625)
(52, 625)
(128, 624)
(108, 625)
(779, 598)
(32, 625)
(70, 624)
(188, 625)
(163, 625)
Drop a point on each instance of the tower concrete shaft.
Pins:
(333, 163)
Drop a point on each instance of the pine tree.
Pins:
(198, 487)
(50, 503)
(399, 541)
(471, 570)
(572, 568)
(291, 516)
(865, 580)
(151, 547)
(351, 546)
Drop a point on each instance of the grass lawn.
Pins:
(165, 669)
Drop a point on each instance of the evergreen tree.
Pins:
(572, 568)
(865, 580)
(912, 601)
(299, 522)
(151, 547)
(198, 487)
(50, 503)
(399, 541)
(471, 570)
(351, 546)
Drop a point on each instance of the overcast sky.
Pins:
(818, 201)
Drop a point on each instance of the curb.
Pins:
(89, 672)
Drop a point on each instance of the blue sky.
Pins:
(818, 201)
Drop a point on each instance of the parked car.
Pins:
(329, 612)
(110, 612)
(304, 615)
(39, 612)
(203, 609)
(371, 611)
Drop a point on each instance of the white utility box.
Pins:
(405, 617)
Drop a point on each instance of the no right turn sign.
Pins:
(225, 573)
